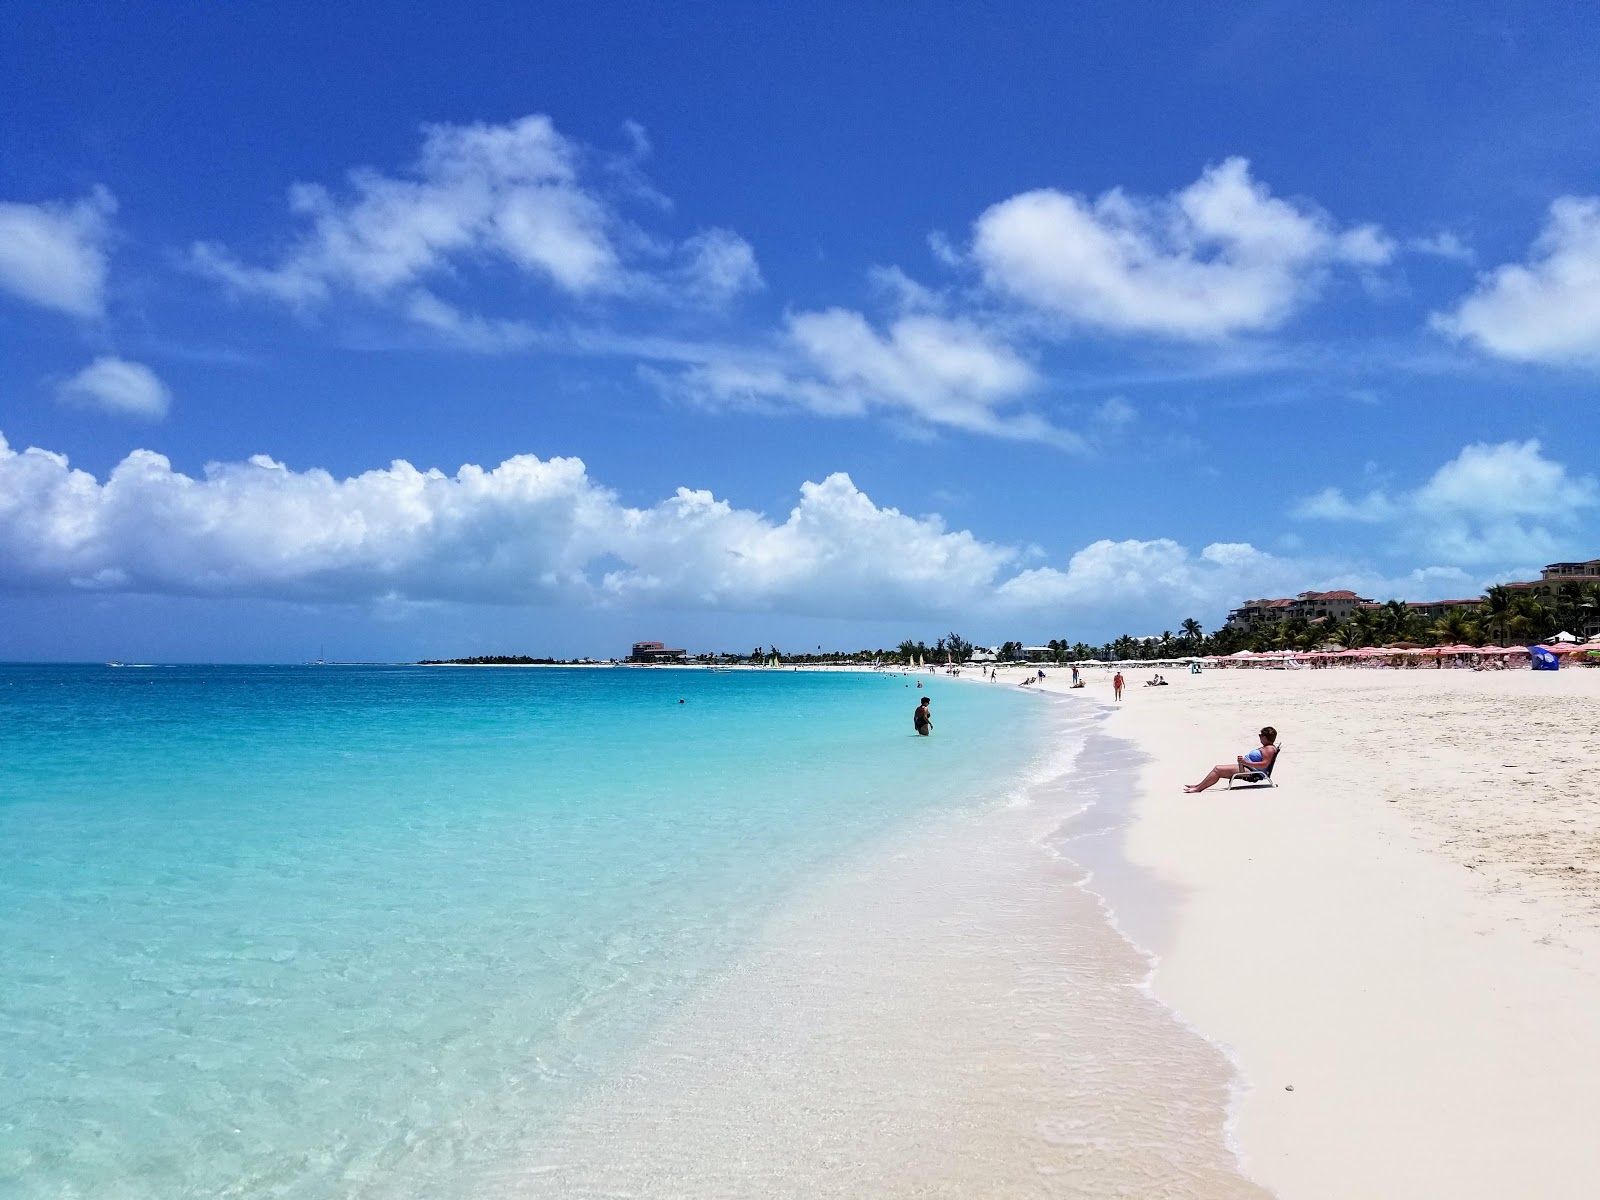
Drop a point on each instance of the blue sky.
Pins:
(1028, 321)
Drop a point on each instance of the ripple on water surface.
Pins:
(339, 932)
(948, 1016)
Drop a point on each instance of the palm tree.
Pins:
(1453, 628)
(1193, 634)
(1497, 611)
(1589, 606)
(1342, 633)
(1363, 628)
(1529, 620)
(1568, 607)
(1394, 614)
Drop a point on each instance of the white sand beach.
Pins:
(1397, 950)
(1400, 944)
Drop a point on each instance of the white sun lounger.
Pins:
(1258, 777)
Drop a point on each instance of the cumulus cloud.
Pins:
(1158, 575)
(115, 385)
(537, 531)
(542, 531)
(529, 530)
(519, 194)
(1544, 310)
(926, 370)
(1491, 503)
(54, 254)
(1223, 256)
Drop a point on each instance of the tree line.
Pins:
(1505, 616)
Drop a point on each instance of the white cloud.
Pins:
(1546, 310)
(926, 370)
(1115, 414)
(542, 531)
(115, 385)
(54, 254)
(527, 531)
(719, 264)
(1504, 502)
(515, 194)
(1158, 577)
(1444, 245)
(904, 293)
(1331, 504)
(1221, 257)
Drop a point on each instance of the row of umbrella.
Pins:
(1401, 652)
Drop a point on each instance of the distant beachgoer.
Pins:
(1116, 685)
(922, 719)
(1257, 760)
(1074, 676)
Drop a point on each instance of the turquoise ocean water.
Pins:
(358, 932)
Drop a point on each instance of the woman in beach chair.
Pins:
(1255, 767)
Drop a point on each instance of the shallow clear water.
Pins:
(319, 932)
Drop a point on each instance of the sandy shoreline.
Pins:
(946, 1014)
(1398, 949)
(1406, 932)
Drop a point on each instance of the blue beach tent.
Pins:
(1543, 660)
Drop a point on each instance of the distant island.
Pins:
(492, 660)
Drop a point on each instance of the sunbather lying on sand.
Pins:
(1256, 760)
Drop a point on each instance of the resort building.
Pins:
(1583, 572)
(655, 652)
(1311, 606)
(1340, 605)
(1434, 609)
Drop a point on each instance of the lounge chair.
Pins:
(1258, 777)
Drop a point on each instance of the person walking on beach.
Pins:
(922, 719)
(1074, 676)
(1116, 686)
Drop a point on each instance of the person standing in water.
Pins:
(1116, 685)
(922, 719)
